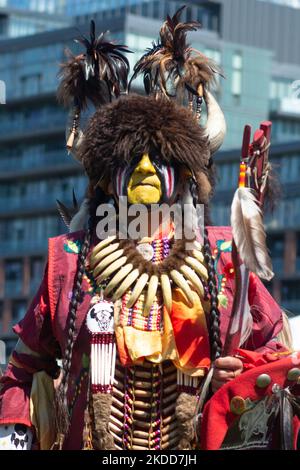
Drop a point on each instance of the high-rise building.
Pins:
(255, 43)
(21, 18)
(287, 3)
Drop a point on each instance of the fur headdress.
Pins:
(177, 79)
(135, 125)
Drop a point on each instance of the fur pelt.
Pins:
(185, 412)
(134, 125)
(101, 409)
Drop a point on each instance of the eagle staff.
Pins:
(249, 250)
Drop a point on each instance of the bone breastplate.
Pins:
(143, 407)
(149, 406)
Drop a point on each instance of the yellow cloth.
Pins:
(42, 409)
(155, 346)
(135, 345)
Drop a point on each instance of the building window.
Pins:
(13, 270)
(276, 247)
(228, 174)
(237, 73)
(36, 268)
(31, 84)
(298, 253)
(213, 54)
(13, 278)
(19, 308)
(290, 291)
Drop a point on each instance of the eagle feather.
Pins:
(249, 233)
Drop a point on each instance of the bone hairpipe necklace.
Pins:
(126, 266)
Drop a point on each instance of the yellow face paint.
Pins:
(144, 186)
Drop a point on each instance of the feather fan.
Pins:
(249, 233)
(172, 66)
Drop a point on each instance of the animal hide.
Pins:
(185, 412)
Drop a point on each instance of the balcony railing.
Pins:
(28, 162)
(287, 105)
(278, 266)
(13, 288)
(20, 126)
(292, 305)
(33, 203)
(17, 248)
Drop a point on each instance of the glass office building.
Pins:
(43, 6)
(286, 3)
(24, 17)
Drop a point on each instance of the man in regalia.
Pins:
(137, 322)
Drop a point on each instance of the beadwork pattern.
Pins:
(135, 316)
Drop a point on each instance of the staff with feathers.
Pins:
(249, 250)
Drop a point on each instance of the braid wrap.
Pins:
(214, 316)
(63, 417)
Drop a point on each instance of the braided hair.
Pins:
(63, 417)
(214, 317)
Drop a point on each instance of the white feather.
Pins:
(249, 233)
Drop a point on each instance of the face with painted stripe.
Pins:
(147, 181)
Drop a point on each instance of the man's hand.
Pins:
(226, 369)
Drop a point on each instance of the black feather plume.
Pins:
(171, 65)
(96, 75)
(64, 213)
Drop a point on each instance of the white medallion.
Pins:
(100, 318)
(146, 250)
(15, 437)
